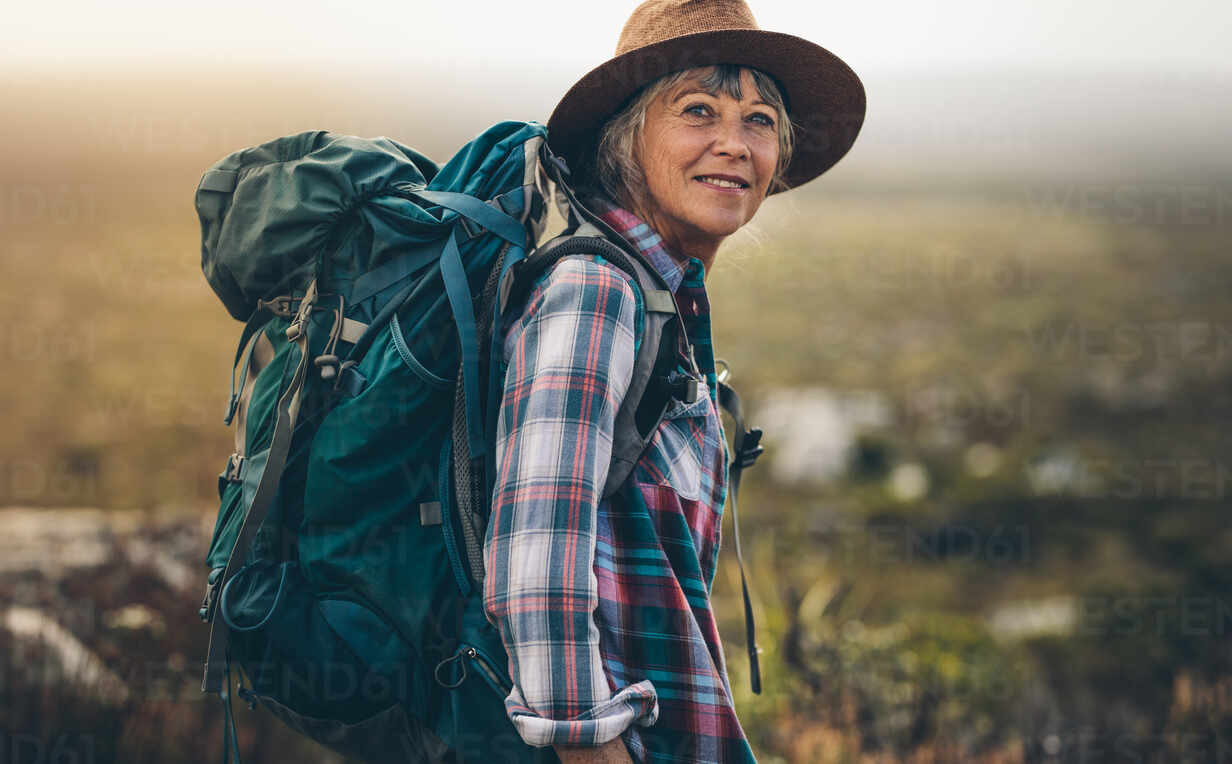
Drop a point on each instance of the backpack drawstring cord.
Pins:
(230, 741)
(328, 361)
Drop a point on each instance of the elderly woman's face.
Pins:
(708, 160)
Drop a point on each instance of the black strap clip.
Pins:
(210, 601)
(683, 387)
(749, 448)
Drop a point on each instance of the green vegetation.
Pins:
(1025, 558)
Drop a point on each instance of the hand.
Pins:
(611, 752)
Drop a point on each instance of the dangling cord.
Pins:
(230, 742)
(747, 449)
(336, 331)
(327, 361)
(750, 629)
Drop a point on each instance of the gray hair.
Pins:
(616, 170)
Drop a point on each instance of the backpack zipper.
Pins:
(487, 667)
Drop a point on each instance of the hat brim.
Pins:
(825, 98)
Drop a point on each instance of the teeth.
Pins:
(721, 182)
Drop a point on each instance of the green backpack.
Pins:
(345, 566)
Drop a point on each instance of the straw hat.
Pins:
(824, 96)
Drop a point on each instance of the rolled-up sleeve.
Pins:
(570, 358)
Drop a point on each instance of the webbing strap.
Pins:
(251, 327)
(458, 289)
(449, 507)
(408, 293)
(352, 330)
(495, 221)
(392, 272)
(263, 499)
(660, 301)
(746, 450)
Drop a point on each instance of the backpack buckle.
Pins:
(210, 601)
(299, 318)
(749, 448)
(234, 473)
(684, 388)
(283, 307)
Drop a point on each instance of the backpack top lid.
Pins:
(269, 213)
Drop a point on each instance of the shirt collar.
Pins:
(649, 243)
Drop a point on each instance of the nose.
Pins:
(729, 140)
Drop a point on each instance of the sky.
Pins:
(1181, 36)
(969, 88)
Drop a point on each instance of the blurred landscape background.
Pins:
(991, 351)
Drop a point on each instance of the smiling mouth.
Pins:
(721, 183)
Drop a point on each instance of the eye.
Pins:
(697, 109)
(762, 118)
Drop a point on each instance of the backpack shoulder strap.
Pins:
(659, 347)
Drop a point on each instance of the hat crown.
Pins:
(658, 20)
(824, 96)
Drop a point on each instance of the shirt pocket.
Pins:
(679, 452)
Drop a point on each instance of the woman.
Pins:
(603, 605)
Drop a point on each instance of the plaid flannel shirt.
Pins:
(603, 604)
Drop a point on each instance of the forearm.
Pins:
(611, 752)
